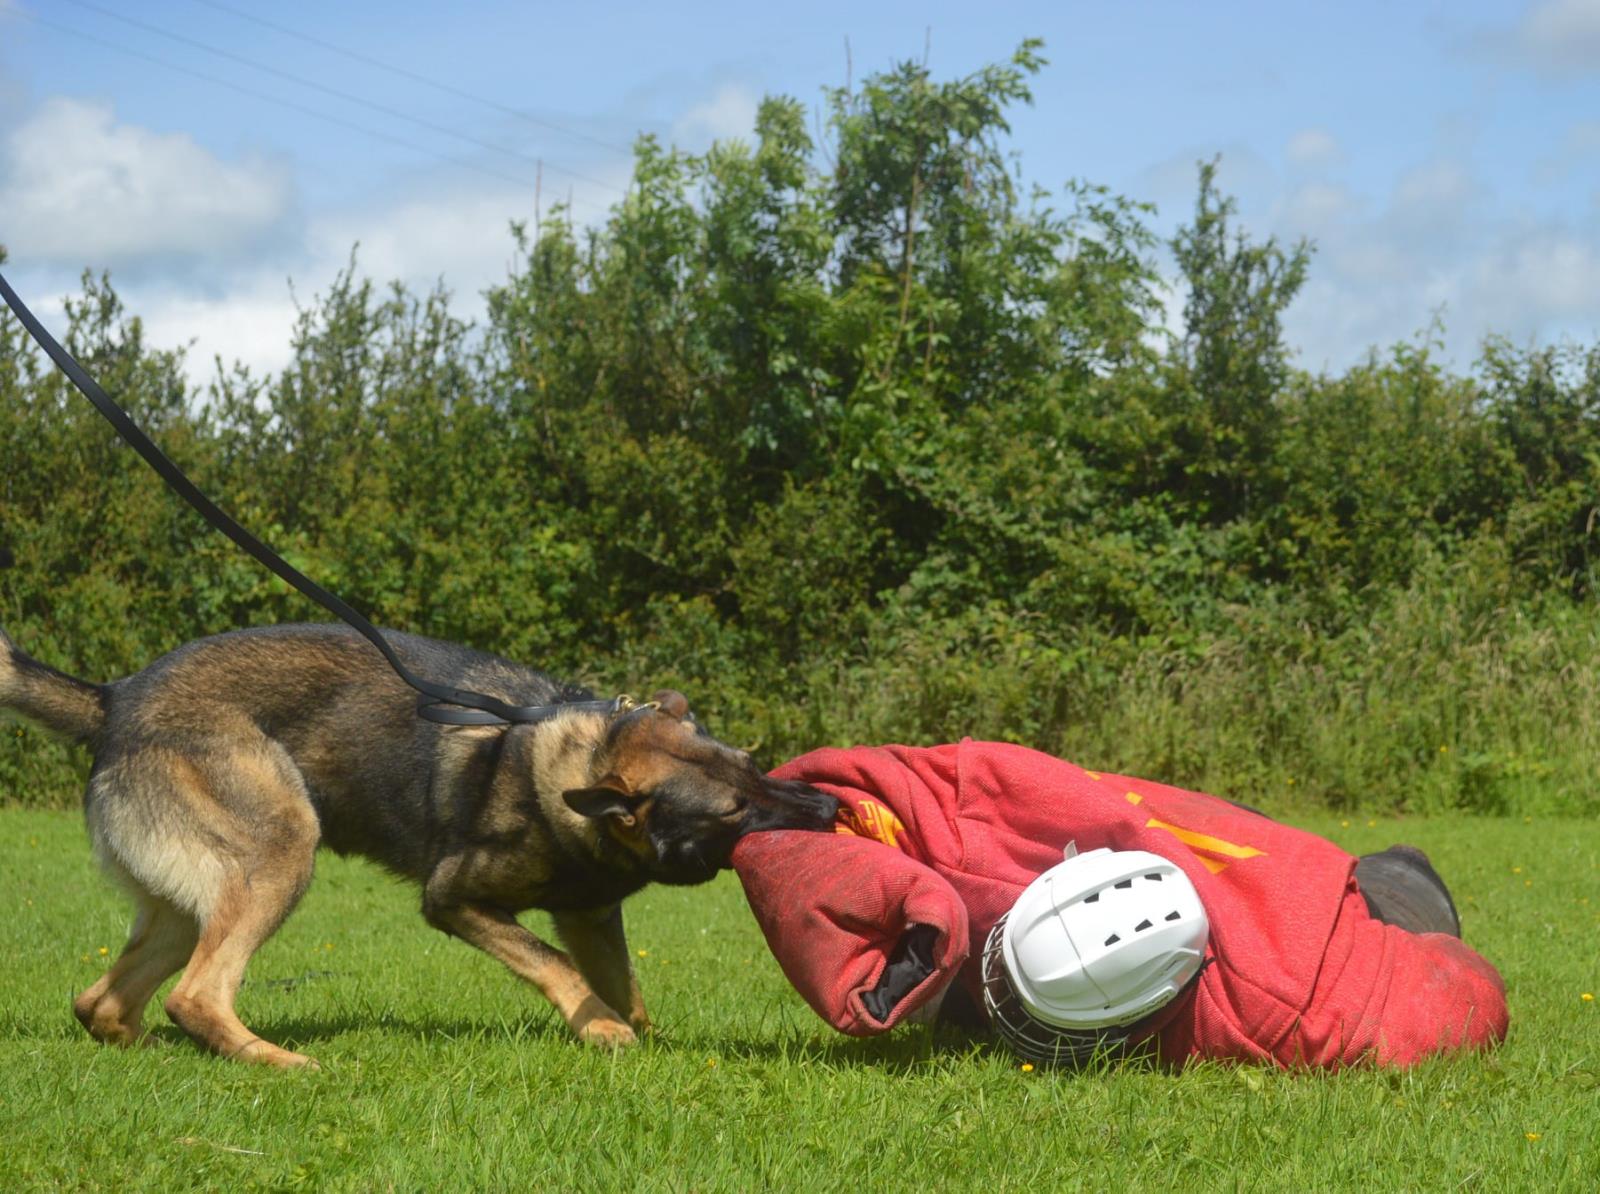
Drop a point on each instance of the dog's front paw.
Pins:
(607, 1034)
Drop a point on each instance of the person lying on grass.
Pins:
(1306, 957)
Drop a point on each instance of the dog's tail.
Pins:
(71, 707)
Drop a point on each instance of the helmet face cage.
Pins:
(1030, 1038)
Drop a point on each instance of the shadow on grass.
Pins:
(911, 1050)
(896, 1054)
(899, 1053)
(536, 1025)
(906, 1052)
(293, 1032)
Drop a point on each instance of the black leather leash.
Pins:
(438, 702)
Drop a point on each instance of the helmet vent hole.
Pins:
(1126, 883)
(1113, 939)
(1173, 915)
(1141, 926)
(1092, 899)
(1155, 876)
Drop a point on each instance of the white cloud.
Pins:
(461, 238)
(421, 240)
(249, 324)
(1579, 148)
(212, 255)
(1317, 210)
(1314, 149)
(1539, 276)
(1436, 246)
(1174, 182)
(730, 113)
(1438, 186)
(76, 187)
(1553, 37)
(1437, 242)
(1563, 35)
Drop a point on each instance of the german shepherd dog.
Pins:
(221, 767)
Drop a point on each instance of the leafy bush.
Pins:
(854, 442)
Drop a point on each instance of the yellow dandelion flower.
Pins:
(1372, 824)
(104, 951)
(327, 945)
(1027, 1067)
(1532, 1135)
(711, 1063)
(1291, 781)
(1344, 824)
(1587, 997)
(1444, 750)
(1516, 870)
(644, 953)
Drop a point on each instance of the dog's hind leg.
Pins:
(224, 832)
(251, 906)
(228, 835)
(162, 938)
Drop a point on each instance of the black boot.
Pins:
(1402, 889)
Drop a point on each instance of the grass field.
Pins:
(441, 1072)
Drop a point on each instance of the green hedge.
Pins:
(856, 442)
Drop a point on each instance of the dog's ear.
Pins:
(618, 813)
(672, 702)
(609, 798)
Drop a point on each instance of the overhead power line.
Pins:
(464, 163)
(413, 76)
(346, 96)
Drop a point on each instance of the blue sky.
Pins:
(1445, 158)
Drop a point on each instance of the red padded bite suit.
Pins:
(948, 836)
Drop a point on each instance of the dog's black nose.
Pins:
(825, 808)
(791, 804)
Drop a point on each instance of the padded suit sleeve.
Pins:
(837, 909)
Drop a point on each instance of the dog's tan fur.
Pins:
(222, 767)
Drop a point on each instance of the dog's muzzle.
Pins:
(790, 804)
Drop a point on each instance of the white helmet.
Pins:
(1096, 943)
